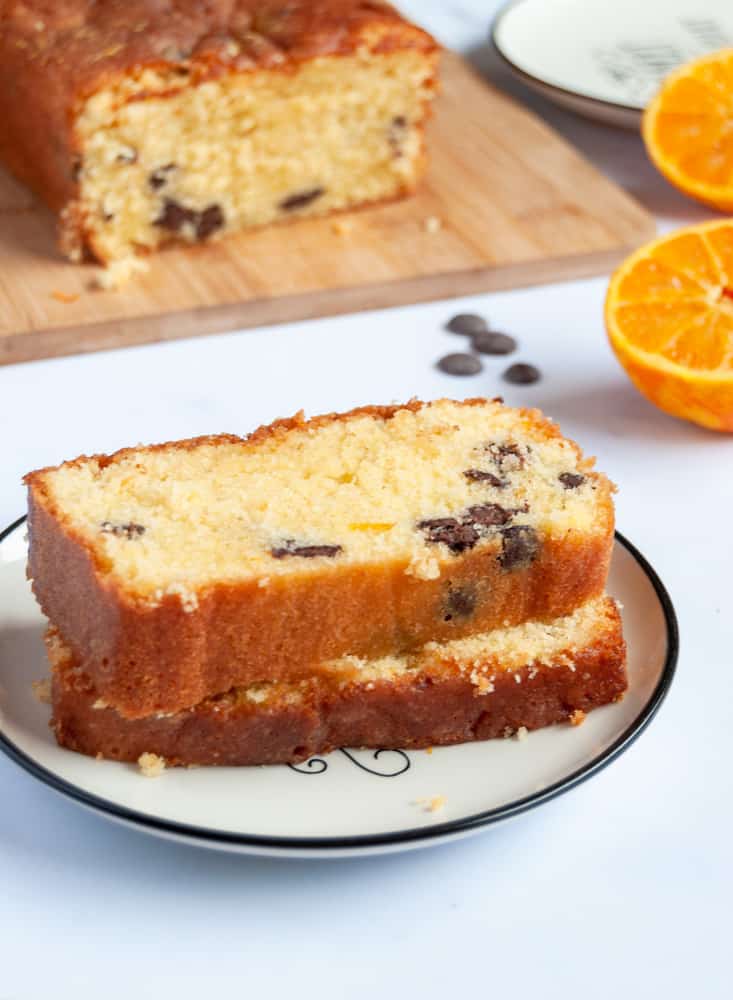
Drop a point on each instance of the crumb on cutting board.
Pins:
(433, 224)
(119, 272)
(432, 804)
(66, 297)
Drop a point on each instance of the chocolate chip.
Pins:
(490, 514)
(521, 374)
(520, 546)
(493, 343)
(174, 216)
(451, 532)
(290, 548)
(507, 456)
(460, 602)
(468, 324)
(480, 476)
(159, 177)
(129, 530)
(211, 219)
(460, 364)
(76, 170)
(301, 200)
(571, 480)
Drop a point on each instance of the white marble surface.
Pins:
(620, 888)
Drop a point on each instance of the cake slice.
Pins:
(179, 571)
(490, 685)
(148, 121)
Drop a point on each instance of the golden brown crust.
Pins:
(53, 56)
(427, 708)
(162, 658)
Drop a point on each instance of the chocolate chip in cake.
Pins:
(468, 324)
(460, 364)
(174, 216)
(129, 530)
(76, 171)
(489, 514)
(522, 374)
(509, 457)
(301, 200)
(481, 476)
(460, 602)
(520, 546)
(493, 343)
(451, 532)
(159, 177)
(208, 221)
(290, 548)
(571, 480)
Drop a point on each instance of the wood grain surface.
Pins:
(517, 206)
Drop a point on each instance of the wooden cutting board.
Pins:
(516, 206)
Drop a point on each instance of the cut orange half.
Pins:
(688, 129)
(669, 316)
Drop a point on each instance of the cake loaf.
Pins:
(145, 121)
(491, 685)
(178, 571)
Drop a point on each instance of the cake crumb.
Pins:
(66, 297)
(100, 703)
(151, 765)
(424, 567)
(119, 272)
(42, 690)
(428, 749)
(521, 733)
(341, 226)
(433, 224)
(578, 717)
(432, 804)
(481, 682)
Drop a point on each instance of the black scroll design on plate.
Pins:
(317, 765)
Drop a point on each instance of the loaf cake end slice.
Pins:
(147, 122)
(179, 571)
(490, 685)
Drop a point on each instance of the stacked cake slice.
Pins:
(395, 576)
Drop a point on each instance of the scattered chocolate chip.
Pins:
(493, 343)
(76, 171)
(211, 219)
(571, 480)
(520, 546)
(289, 548)
(301, 200)
(468, 324)
(159, 177)
(480, 476)
(460, 364)
(174, 216)
(460, 602)
(509, 457)
(490, 514)
(521, 374)
(449, 531)
(129, 530)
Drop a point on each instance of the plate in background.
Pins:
(604, 59)
(346, 803)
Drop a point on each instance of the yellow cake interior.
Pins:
(176, 518)
(163, 159)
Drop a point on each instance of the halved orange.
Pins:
(688, 129)
(669, 316)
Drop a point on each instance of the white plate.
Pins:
(606, 58)
(355, 802)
